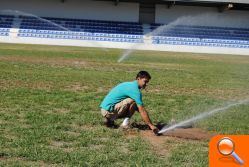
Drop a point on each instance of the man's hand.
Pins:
(154, 129)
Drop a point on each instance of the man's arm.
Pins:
(146, 118)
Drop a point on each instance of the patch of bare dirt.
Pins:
(184, 132)
(10, 136)
(65, 146)
(124, 149)
(3, 122)
(76, 87)
(27, 162)
(6, 84)
(96, 146)
(189, 133)
(101, 89)
(61, 110)
(104, 139)
(3, 156)
(168, 66)
(157, 142)
(44, 60)
(71, 133)
(78, 128)
(58, 143)
(160, 143)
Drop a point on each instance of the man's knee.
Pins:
(133, 107)
(129, 101)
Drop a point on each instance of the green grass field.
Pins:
(49, 98)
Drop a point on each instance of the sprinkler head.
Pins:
(155, 131)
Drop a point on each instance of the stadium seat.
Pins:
(203, 36)
(118, 31)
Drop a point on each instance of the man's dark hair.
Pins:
(143, 74)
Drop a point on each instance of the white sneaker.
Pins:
(125, 122)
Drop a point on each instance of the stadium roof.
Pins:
(237, 4)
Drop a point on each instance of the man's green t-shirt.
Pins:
(121, 92)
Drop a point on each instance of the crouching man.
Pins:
(124, 100)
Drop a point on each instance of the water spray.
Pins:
(202, 116)
(17, 12)
(202, 19)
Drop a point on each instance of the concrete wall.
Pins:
(207, 16)
(123, 45)
(82, 9)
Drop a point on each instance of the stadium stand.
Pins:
(81, 29)
(131, 32)
(202, 36)
(5, 24)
